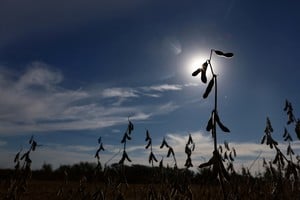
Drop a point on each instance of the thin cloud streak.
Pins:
(37, 101)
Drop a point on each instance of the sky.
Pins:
(72, 71)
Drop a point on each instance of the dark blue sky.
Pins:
(71, 71)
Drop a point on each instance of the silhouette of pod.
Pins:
(188, 163)
(125, 155)
(187, 150)
(226, 145)
(223, 128)
(190, 140)
(286, 105)
(203, 74)
(220, 149)
(170, 151)
(148, 145)
(130, 127)
(126, 136)
(147, 136)
(152, 157)
(207, 164)
(99, 140)
(101, 148)
(209, 124)
(220, 53)
(225, 155)
(285, 133)
(161, 163)
(234, 152)
(195, 73)
(164, 143)
(209, 87)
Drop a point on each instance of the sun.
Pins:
(193, 63)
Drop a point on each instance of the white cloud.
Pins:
(39, 75)
(36, 101)
(163, 87)
(119, 92)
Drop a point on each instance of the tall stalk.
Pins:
(216, 161)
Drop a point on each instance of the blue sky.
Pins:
(71, 71)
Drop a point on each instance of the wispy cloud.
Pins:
(163, 87)
(119, 92)
(37, 101)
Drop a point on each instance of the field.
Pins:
(142, 182)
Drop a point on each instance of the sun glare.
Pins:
(194, 62)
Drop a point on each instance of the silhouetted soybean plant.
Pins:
(126, 136)
(97, 154)
(122, 175)
(170, 151)
(279, 159)
(291, 169)
(189, 148)
(22, 172)
(152, 157)
(228, 156)
(216, 161)
(288, 108)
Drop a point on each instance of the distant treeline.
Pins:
(135, 174)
